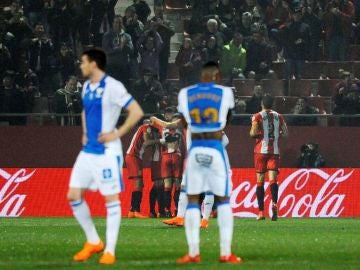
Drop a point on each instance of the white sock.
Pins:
(208, 205)
(81, 212)
(192, 228)
(226, 226)
(113, 220)
(183, 201)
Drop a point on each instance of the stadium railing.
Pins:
(52, 119)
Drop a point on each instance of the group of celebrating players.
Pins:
(188, 154)
(166, 139)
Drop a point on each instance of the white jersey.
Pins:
(205, 106)
(102, 104)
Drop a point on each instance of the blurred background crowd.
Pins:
(304, 52)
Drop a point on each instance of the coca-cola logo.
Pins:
(11, 203)
(295, 198)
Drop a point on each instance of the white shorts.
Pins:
(103, 172)
(208, 169)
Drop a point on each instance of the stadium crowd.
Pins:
(40, 41)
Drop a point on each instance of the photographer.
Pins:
(310, 157)
(67, 100)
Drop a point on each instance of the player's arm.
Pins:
(83, 124)
(135, 113)
(284, 132)
(254, 131)
(171, 125)
(148, 141)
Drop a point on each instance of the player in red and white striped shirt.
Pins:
(267, 127)
(133, 160)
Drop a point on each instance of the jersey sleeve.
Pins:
(256, 118)
(231, 99)
(182, 102)
(84, 89)
(119, 95)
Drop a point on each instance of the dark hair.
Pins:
(98, 56)
(267, 101)
(210, 64)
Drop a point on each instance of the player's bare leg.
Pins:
(136, 198)
(159, 185)
(168, 184)
(180, 206)
(192, 230)
(177, 184)
(113, 220)
(207, 208)
(260, 193)
(274, 187)
(152, 201)
(226, 226)
(82, 214)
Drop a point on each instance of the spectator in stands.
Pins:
(102, 13)
(344, 94)
(21, 32)
(245, 25)
(225, 11)
(189, 62)
(142, 9)
(67, 100)
(253, 105)
(5, 58)
(166, 31)
(149, 46)
(133, 26)
(296, 40)
(33, 10)
(12, 100)
(259, 56)
(42, 58)
(211, 52)
(148, 92)
(344, 85)
(240, 108)
(61, 22)
(338, 19)
(135, 29)
(314, 23)
(213, 30)
(67, 61)
(302, 106)
(7, 39)
(233, 58)
(252, 7)
(119, 49)
(27, 80)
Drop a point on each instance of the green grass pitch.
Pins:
(49, 243)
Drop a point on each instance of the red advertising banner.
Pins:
(302, 193)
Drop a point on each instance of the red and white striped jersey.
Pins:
(137, 147)
(270, 124)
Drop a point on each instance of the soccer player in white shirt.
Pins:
(99, 164)
(206, 108)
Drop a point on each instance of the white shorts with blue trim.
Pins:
(208, 169)
(98, 172)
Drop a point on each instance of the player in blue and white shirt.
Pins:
(206, 108)
(99, 164)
